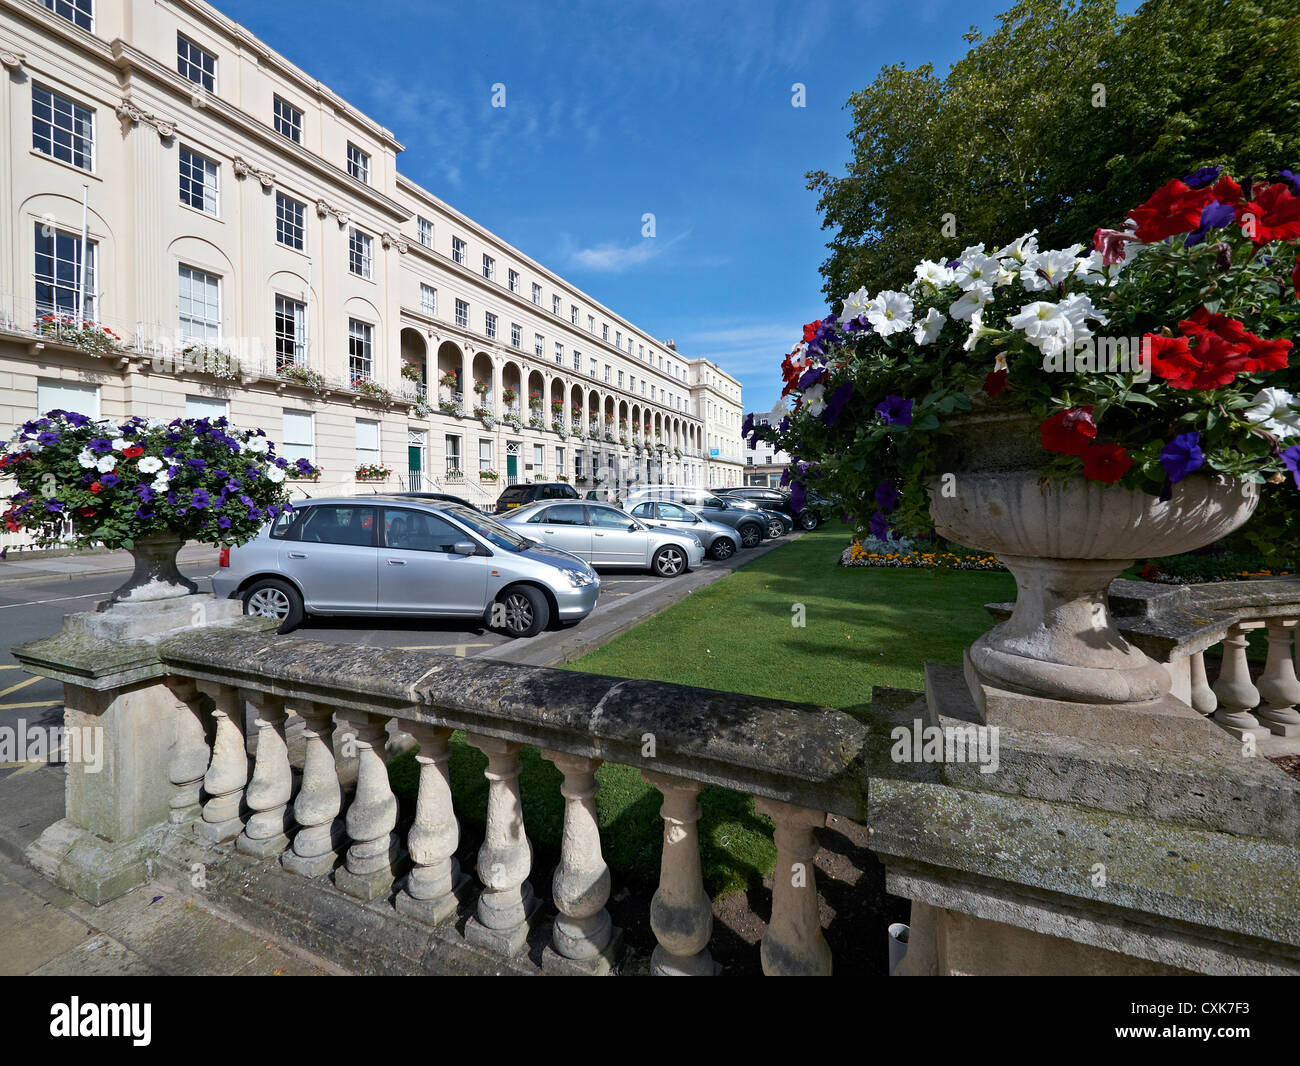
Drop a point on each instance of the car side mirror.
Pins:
(463, 547)
(631, 526)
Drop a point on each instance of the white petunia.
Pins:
(977, 270)
(258, 445)
(87, 458)
(890, 312)
(1020, 249)
(971, 301)
(977, 330)
(936, 274)
(150, 464)
(275, 475)
(160, 483)
(118, 443)
(929, 327)
(1046, 270)
(814, 400)
(1275, 412)
(106, 463)
(854, 305)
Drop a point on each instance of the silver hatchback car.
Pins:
(397, 555)
(719, 541)
(605, 536)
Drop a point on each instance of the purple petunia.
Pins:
(1214, 215)
(895, 410)
(879, 525)
(1291, 458)
(53, 506)
(109, 481)
(199, 499)
(1182, 456)
(74, 418)
(798, 496)
(1292, 179)
(836, 403)
(223, 522)
(810, 377)
(195, 464)
(144, 512)
(1203, 177)
(144, 492)
(47, 438)
(887, 496)
(99, 445)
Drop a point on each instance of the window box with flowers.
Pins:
(562, 477)
(580, 480)
(89, 337)
(301, 375)
(482, 387)
(413, 372)
(448, 381)
(373, 472)
(488, 475)
(372, 389)
(209, 359)
(455, 475)
(451, 407)
(304, 471)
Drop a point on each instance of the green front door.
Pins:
(415, 466)
(512, 469)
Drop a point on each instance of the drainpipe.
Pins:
(898, 934)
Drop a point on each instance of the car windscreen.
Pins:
(514, 492)
(489, 529)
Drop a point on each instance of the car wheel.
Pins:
(723, 548)
(523, 612)
(809, 520)
(750, 535)
(775, 528)
(272, 598)
(669, 561)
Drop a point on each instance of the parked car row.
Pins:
(432, 554)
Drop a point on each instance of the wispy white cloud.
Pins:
(612, 258)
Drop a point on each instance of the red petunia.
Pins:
(96, 487)
(1274, 215)
(1070, 432)
(1106, 462)
(1172, 208)
(87, 512)
(132, 452)
(995, 382)
(1226, 191)
(810, 330)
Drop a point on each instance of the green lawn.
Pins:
(862, 627)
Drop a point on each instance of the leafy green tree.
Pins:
(1063, 119)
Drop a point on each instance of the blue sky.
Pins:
(619, 108)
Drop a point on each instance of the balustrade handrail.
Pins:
(797, 753)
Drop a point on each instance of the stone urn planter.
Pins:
(155, 576)
(1064, 542)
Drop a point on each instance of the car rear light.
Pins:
(223, 559)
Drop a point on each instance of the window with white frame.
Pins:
(591, 323)
(209, 407)
(462, 314)
(290, 222)
(286, 119)
(631, 383)
(620, 379)
(428, 300)
(452, 448)
(514, 280)
(516, 335)
(577, 360)
(643, 386)
(58, 273)
(604, 332)
(559, 461)
(200, 305)
(489, 267)
(424, 231)
(618, 338)
(485, 453)
(79, 12)
(361, 337)
(298, 436)
(640, 352)
(559, 352)
(196, 63)
(367, 442)
(573, 314)
(55, 395)
(537, 294)
(62, 128)
(555, 305)
(608, 373)
(577, 462)
(489, 325)
(290, 332)
(198, 181)
(458, 250)
(359, 258)
(358, 163)
(539, 459)
(593, 367)
(539, 344)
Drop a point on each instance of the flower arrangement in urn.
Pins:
(85, 482)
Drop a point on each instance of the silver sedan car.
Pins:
(398, 555)
(605, 536)
(719, 541)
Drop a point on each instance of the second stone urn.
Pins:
(1064, 542)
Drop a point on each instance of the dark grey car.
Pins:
(750, 525)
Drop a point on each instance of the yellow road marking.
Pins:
(461, 649)
(37, 703)
(21, 768)
(22, 684)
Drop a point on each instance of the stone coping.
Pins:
(799, 753)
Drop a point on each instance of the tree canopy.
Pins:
(1063, 119)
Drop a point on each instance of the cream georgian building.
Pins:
(195, 226)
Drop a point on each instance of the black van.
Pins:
(531, 492)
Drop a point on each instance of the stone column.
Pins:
(507, 904)
(1278, 685)
(583, 939)
(1237, 694)
(190, 753)
(269, 791)
(320, 797)
(228, 772)
(793, 945)
(1203, 697)
(432, 886)
(374, 853)
(681, 914)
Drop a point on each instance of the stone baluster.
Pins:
(583, 938)
(374, 855)
(1237, 694)
(507, 903)
(793, 945)
(320, 797)
(1203, 699)
(271, 787)
(681, 913)
(190, 753)
(228, 771)
(1278, 686)
(435, 881)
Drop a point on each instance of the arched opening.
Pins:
(537, 399)
(485, 384)
(415, 370)
(450, 372)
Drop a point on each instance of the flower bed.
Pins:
(886, 553)
(202, 479)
